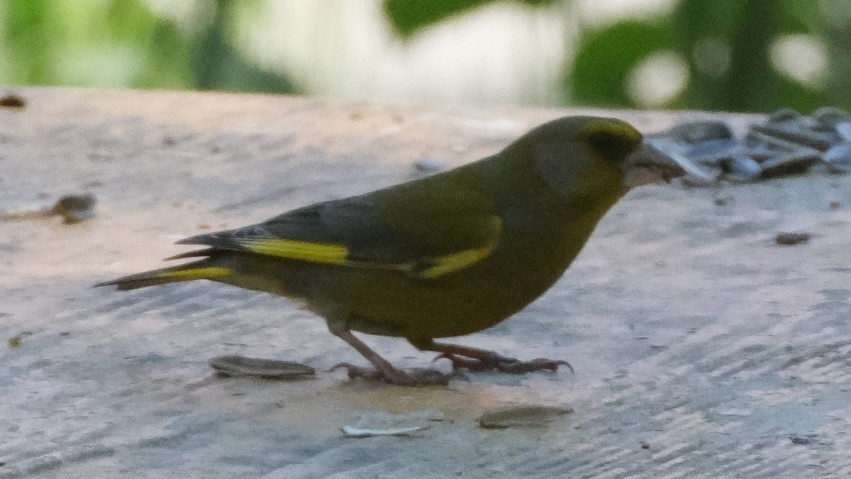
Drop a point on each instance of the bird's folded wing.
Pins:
(421, 237)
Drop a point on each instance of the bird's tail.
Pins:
(203, 269)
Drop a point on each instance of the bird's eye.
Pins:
(602, 138)
(614, 139)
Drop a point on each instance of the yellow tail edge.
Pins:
(175, 274)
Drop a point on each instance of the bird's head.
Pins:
(588, 156)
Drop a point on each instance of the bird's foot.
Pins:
(496, 362)
(399, 377)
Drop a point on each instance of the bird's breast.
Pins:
(521, 268)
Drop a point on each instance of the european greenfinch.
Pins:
(441, 256)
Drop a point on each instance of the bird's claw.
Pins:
(354, 372)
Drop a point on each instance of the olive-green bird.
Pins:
(442, 256)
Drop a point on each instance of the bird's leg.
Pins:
(475, 359)
(383, 369)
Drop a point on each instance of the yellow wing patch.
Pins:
(337, 254)
(195, 273)
(456, 261)
(327, 253)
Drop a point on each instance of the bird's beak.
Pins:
(650, 165)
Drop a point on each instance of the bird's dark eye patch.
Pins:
(615, 138)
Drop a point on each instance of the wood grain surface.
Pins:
(702, 348)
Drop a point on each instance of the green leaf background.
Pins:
(724, 43)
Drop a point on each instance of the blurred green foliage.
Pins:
(410, 16)
(217, 65)
(112, 43)
(724, 45)
(600, 72)
(747, 28)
